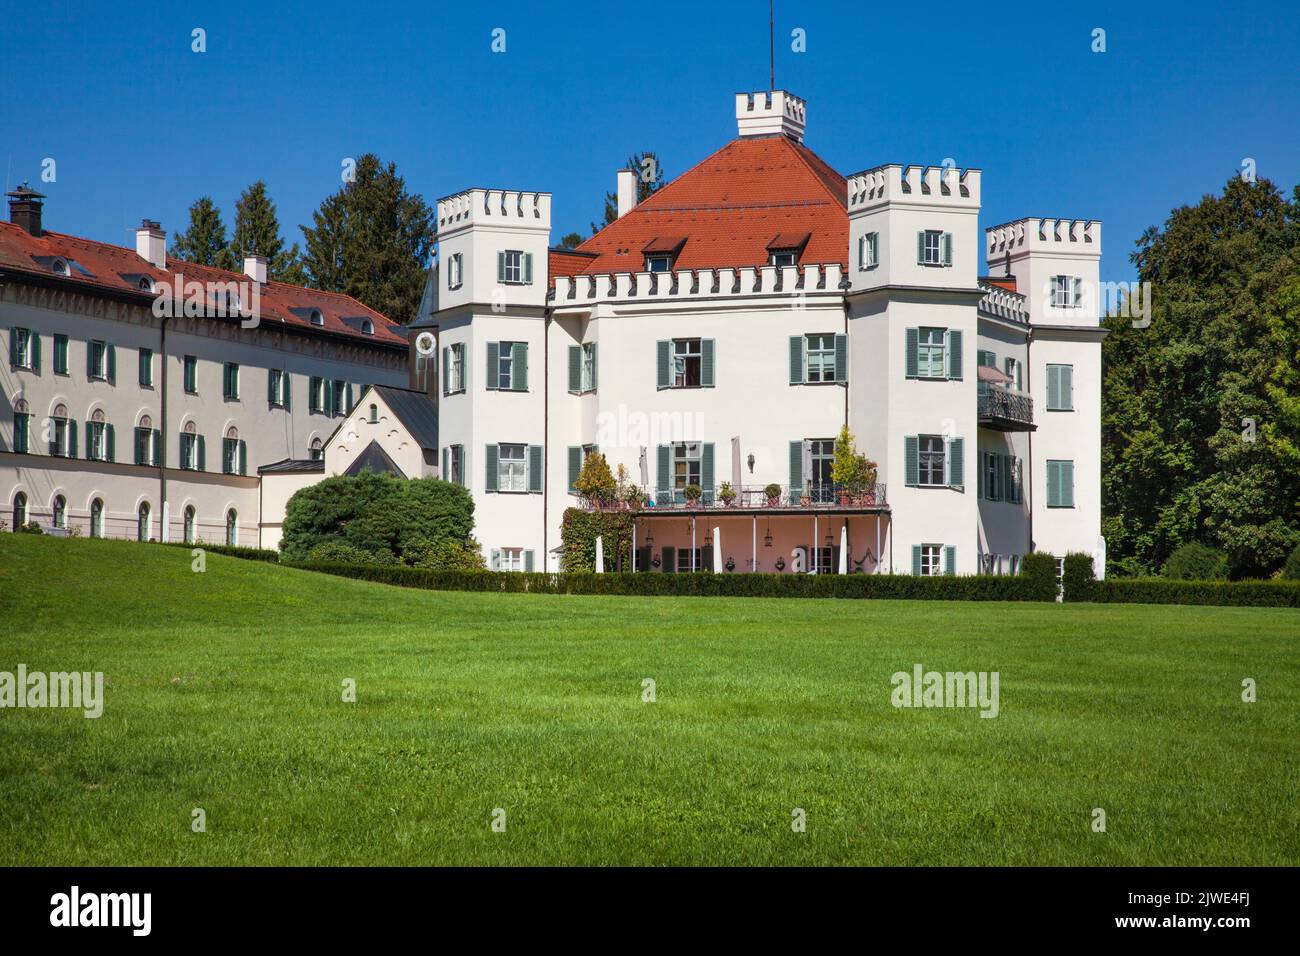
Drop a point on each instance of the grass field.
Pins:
(224, 693)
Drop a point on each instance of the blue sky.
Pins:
(139, 125)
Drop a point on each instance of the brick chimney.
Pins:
(151, 244)
(25, 209)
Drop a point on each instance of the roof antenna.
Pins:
(771, 48)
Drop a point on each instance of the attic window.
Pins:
(146, 284)
(60, 267)
(658, 263)
(784, 257)
(367, 327)
(317, 318)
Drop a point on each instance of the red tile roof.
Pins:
(730, 207)
(108, 265)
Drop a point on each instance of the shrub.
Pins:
(772, 491)
(595, 481)
(377, 514)
(1196, 562)
(248, 554)
(1078, 582)
(449, 556)
(1040, 569)
(1291, 570)
(340, 552)
(578, 531)
(1248, 593)
(850, 470)
(31, 527)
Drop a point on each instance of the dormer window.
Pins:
(658, 263)
(785, 248)
(60, 267)
(316, 318)
(146, 284)
(784, 257)
(661, 253)
(367, 327)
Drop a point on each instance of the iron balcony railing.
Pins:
(1004, 409)
(821, 497)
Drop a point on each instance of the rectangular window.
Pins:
(61, 355)
(686, 363)
(22, 349)
(821, 458)
(146, 368)
(516, 267)
(512, 468)
(1060, 484)
(784, 257)
(930, 353)
(454, 361)
(1015, 370)
(932, 248)
(931, 559)
(511, 559)
(930, 460)
(686, 466)
(690, 561)
(230, 456)
(456, 464)
(191, 375)
(339, 406)
(868, 251)
(993, 474)
(1067, 292)
(505, 365)
(98, 434)
(658, 263)
(1060, 388)
(455, 271)
(98, 368)
(278, 385)
(819, 363)
(588, 381)
(144, 447)
(230, 382)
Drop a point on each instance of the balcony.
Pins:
(756, 500)
(1004, 410)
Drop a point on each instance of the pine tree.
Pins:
(649, 177)
(372, 240)
(204, 242)
(257, 232)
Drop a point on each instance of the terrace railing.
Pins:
(822, 497)
(1005, 410)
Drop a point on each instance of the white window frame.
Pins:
(1067, 292)
(681, 354)
(690, 456)
(926, 459)
(24, 347)
(455, 271)
(98, 449)
(512, 472)
(868, 251)
(455, 368)
(931, 352)
(514, 266)
(931, 560)
(456, 464)
(658, 263)
(933, 252)
(819, 362)
(62, 437)
(189, 451)
(510, 559)
(588, 367)
(777, 257)
(98, 360)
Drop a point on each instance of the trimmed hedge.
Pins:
(1249, 593)
(851, 586)
(248, 554)
(1078, 582)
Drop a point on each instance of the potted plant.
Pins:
(865, 480)
(693, 495)
(844, 467)
(633, 498)
(727, 494)
(595, 482)
(773, 492)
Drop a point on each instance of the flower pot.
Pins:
(773, 502)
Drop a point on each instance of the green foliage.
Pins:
(570, 241)
(372, 240)
(1078, 582)
(849, 469)
(257, 232)
(377, 514)
(31, 527)
(1291, 570)
(1249, 593)
(578, 532)
(449, 555)
(340, 552)
(1196, 562)
(1040, 569)
(1181, 459)
(595, 481)
(204, 242)
(772, 491)
(649, 177)
(248, 554)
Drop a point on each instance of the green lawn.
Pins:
(223, 693)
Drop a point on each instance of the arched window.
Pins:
(146, 421)
(367, 327)
(146, 283)
(60, 267)
(20, 510)
(317, 318)
(232, 528)
(60, 519)
(374, 414)
(189, 524)
(316, 450)
(97, 518)
(142, 522)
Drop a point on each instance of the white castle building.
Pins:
(716, 336)
(727, 327)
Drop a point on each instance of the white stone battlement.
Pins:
(1004, 303)
(496, 207)
(696, 284)
(1044, 235)
(940, 185)
(771, 111)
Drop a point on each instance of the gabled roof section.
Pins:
(373, 458)
(99, 267)
(415, 410)
(728, 208)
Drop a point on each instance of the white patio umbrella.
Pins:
(600, 555)
(844, 549)
(717, 551)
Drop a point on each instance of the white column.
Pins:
(717, 550)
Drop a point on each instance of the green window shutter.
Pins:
(950, 560)
(1067, 484)
(664, 488)
(796, 469)
(286, 390)
(706, 471)
(139, 446)
(663, 356)
(957, 463)
(912, 357)
(535, 459)
(1053, 484)
(493, 364)
(13, 347)
(953, 352)
(203, 454)
(445, 460)
(243, 457)
(61, 354)
(490, 471)
(984, 357)
(1067, 387)
(445, 363)
(90, 445)
(528, 268)
(575, 369)
(110, 443)
(270, 386)
(519, 366)
(1053, 386)
(911, 460)
(916, 560)
(980, 486)
(706, 362)
(595, 365)
(112, 364)
(920, 248)
(464, 466)
(1006, 468)
(72, 438)
(841, 358)
(36, 352)
(669, 559)
(90, 359)
(575, 467)
(796, 359)
(157, 447)
(313, 394)
(529, 561)
(501, 267)
(947, 248)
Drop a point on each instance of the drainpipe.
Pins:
(160, 451)
(1027, 492)
(546, 433)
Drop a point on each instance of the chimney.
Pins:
(626, 191)
(25, 209)
(151, 244)
(255, 268)
(769, 113)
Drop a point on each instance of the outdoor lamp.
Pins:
(767, 538)
(751, 462)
